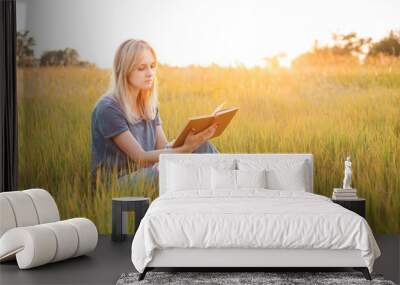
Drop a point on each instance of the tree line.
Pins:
(351, 49)
(346, 48)
(64, 57)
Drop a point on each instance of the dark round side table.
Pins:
(120, 206)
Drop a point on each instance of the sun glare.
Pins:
(185, 32)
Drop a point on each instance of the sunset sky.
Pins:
(185, 32)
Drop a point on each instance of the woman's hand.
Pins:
(193, 141)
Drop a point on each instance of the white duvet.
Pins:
(251, 218)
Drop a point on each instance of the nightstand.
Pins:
(122, 205)
(357, 205)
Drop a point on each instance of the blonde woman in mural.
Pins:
(126, 124)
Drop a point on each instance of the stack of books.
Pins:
(344, 194)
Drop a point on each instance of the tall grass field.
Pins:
(329, 112)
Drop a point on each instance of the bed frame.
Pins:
(242, 259)
(246, 258)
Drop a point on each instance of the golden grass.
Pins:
(329, 112)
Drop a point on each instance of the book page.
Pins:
(219, 108)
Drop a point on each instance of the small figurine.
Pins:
(347, 174)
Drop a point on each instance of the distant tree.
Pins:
(50, 58)
(25, 54)
(324, 56)
(24, 50)
(350, 44)
(346, 49)
(71, 57)
(66, 57)
(274, 61)
(389, 45)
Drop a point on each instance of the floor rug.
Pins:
(229, 278)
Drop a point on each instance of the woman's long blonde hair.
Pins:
(125, 61)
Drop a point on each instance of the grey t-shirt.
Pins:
(109, 120)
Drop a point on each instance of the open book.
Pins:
(220, 116)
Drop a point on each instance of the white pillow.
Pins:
(282, 174)
(251, 178)
(181, 177)
(293, 178)
(223, 179)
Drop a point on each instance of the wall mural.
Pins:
(305, 80)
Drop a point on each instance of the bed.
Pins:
(247, 210)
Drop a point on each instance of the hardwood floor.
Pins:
(110, 260)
